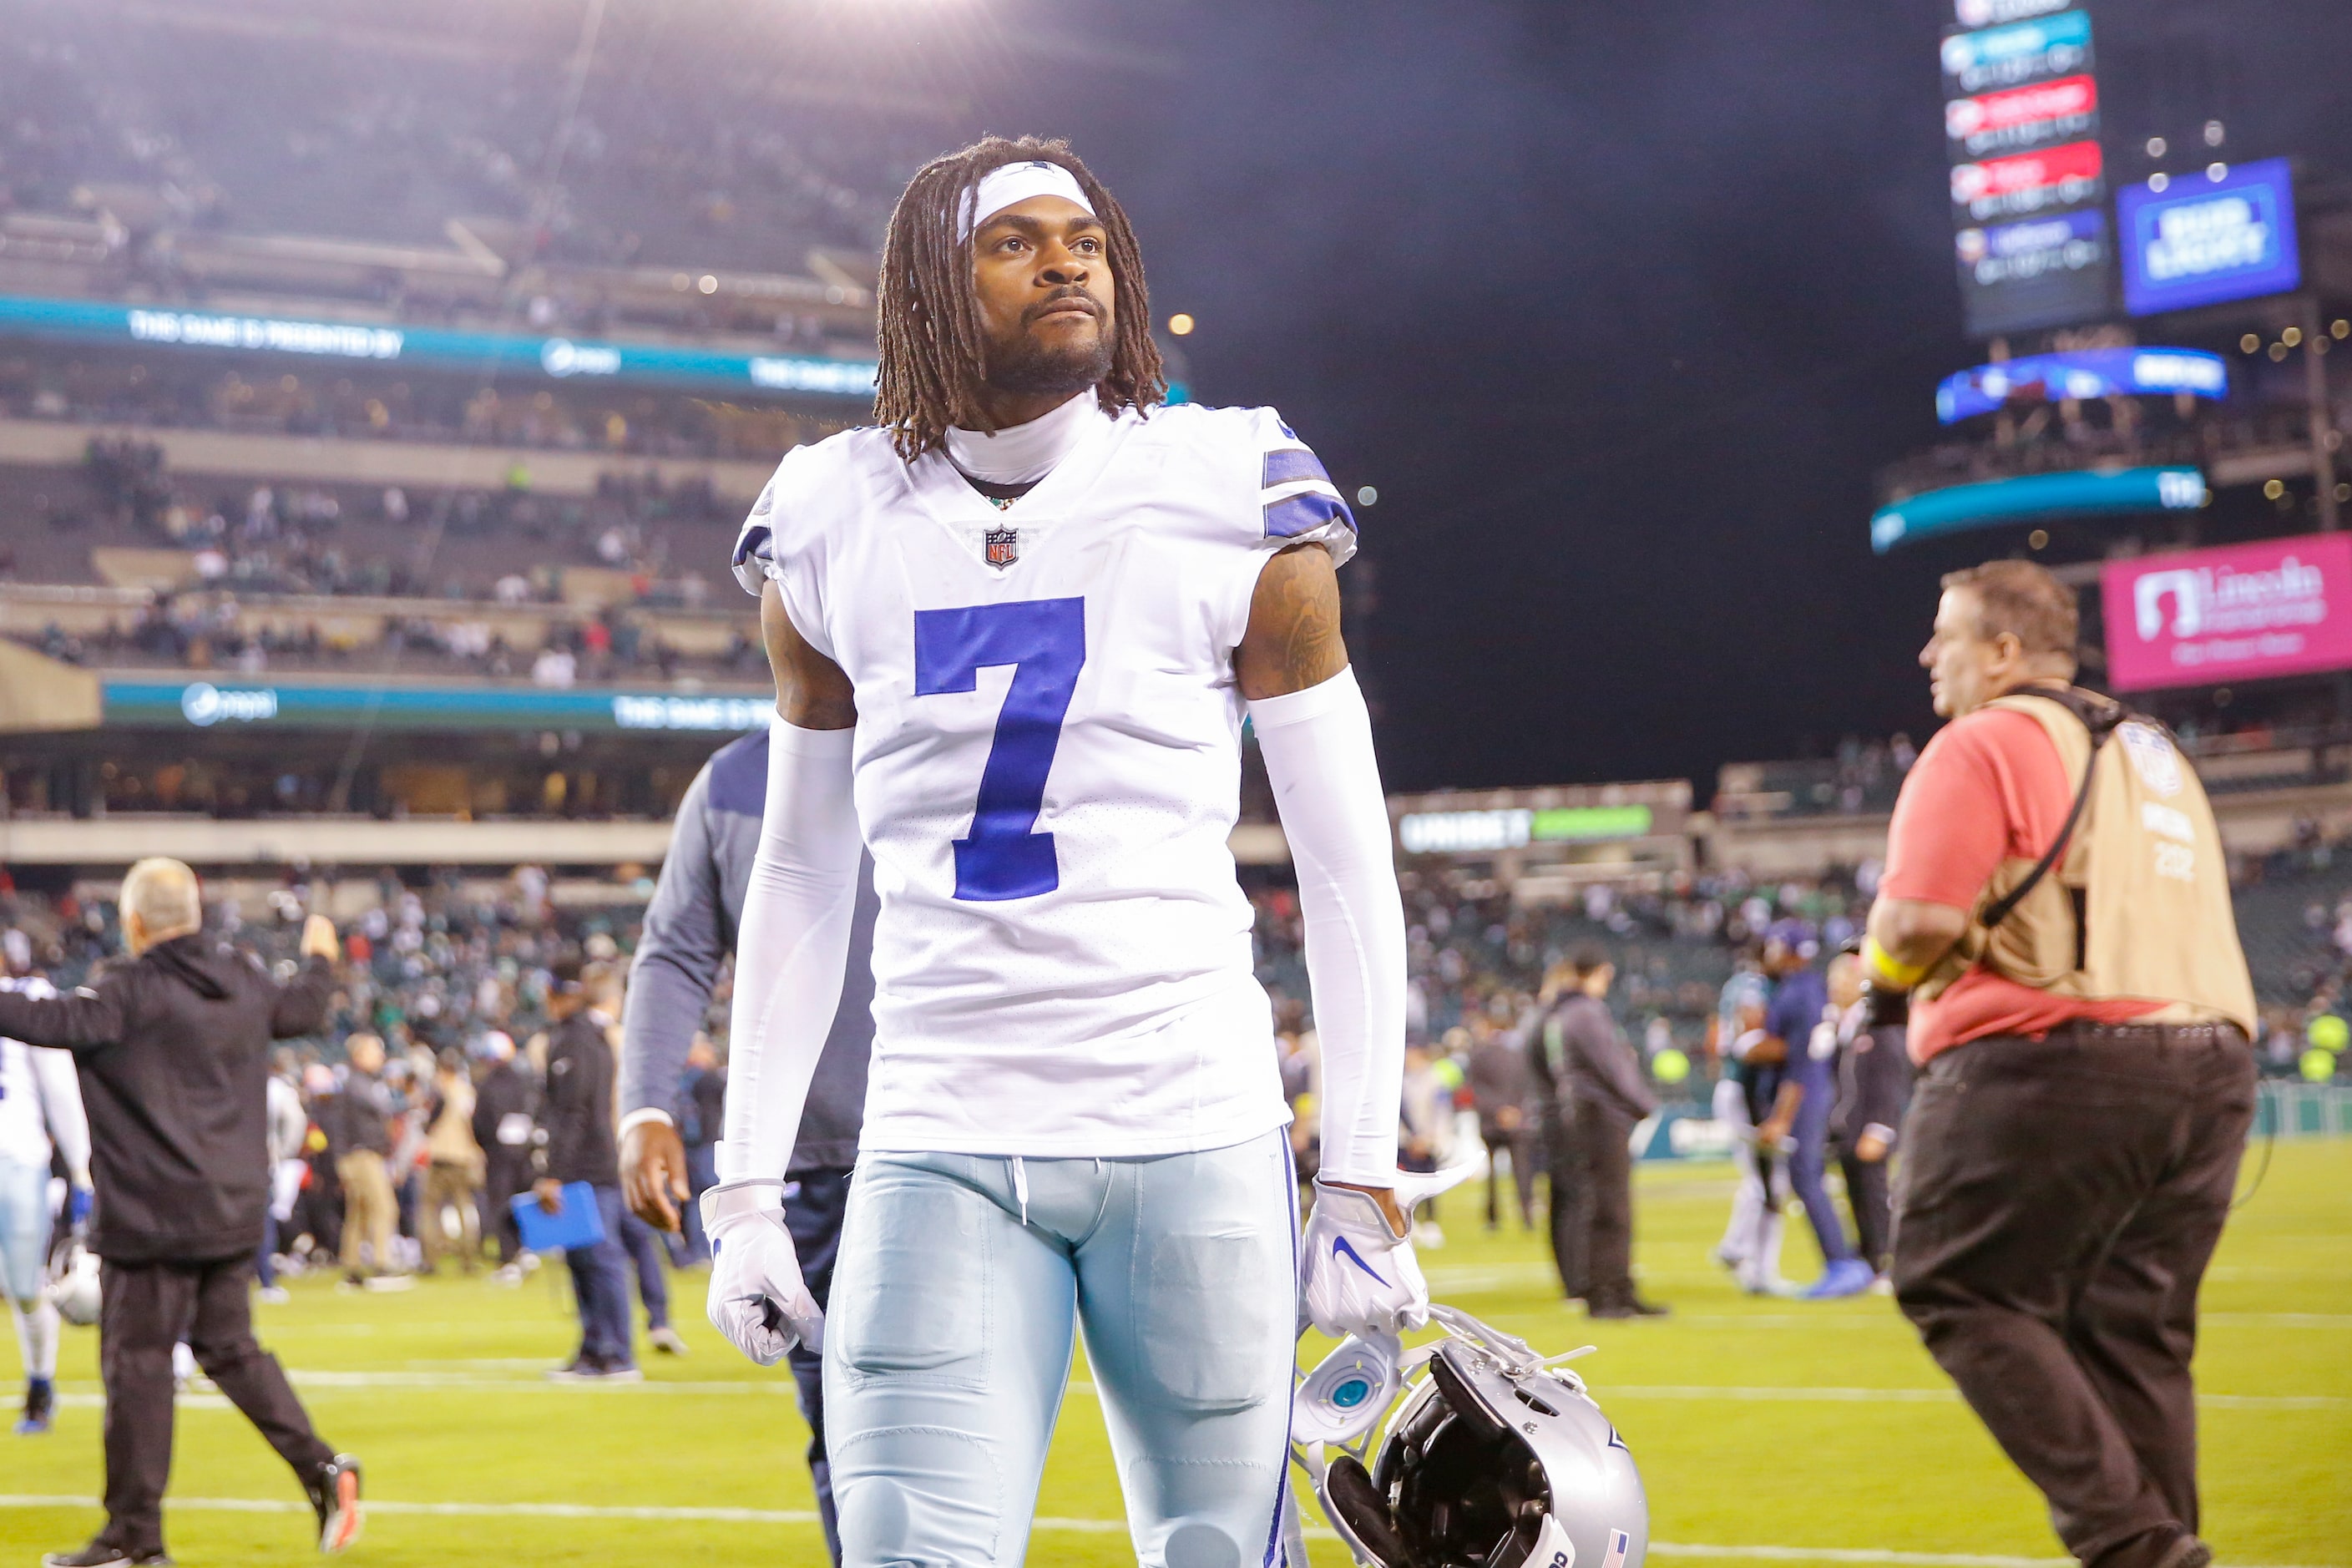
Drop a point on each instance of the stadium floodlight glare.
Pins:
(1180, 325)
(2084, 492)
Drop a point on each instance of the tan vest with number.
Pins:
(2138, 907)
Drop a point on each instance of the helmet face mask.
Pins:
(1493, 1460)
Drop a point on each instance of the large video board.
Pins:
(2204, 239)
(2028, 180)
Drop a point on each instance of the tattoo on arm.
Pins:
(811, 689)
(1292, 641)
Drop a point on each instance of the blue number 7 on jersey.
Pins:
(1044, 640)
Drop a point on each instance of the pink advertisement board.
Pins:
(2240, 612)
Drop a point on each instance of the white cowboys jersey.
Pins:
(1047, 767)
(36, 1087)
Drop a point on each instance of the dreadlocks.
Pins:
(931, 340)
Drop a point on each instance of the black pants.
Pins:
(1520, 1145)
(813, 1211)
(1592, 1204)
(506, 1172)
(1867, 1194)
(2058, 1203)
(144, 1310)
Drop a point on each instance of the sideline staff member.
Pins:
(2056, 903)
(690, 928)
(173, 1049)
(1585, 1068)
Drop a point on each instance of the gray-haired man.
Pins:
(173, 1052)
(689, 927)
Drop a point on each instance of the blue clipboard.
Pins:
(579, 1223)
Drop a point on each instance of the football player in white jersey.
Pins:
(40, 1103)
(1016, 629)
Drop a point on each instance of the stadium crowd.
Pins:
(701, 154)
(293, 538)
(203, 633)
(449, 991)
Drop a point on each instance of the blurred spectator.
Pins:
(1803, 1028)
(455, 1172)
(504, 1131)
(703, 1101)
(290, 1125)
(1873, 1088)
(578, 1117)
(1590, 1079)
(1750, 1247)
(360, 1133)
(1501, 1089)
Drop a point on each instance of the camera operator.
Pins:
(2056, 912)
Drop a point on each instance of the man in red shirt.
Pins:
(2072, 1143)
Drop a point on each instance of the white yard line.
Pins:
(77, 1394)
(1869, 1555)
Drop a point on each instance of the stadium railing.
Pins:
(2304, 1111)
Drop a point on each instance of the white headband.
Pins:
(1008, 184)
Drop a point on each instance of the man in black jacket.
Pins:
(173, 1052)
(503, 1127)
(577, 1116)
(1584, 1065)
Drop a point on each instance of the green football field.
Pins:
(1769, 1431)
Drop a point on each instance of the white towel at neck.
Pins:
(1026, 453)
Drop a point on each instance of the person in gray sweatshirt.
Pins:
(689, 929)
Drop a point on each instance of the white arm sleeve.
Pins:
(791, 947)
(1327, 785)
(60, 1091)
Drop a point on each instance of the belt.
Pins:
(2086, 1030)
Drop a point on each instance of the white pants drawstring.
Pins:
(1020, 1187)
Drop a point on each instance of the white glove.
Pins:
(1356, 1276)
(757, 1298)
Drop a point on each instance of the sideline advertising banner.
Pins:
(298, 702)
(2283, 607)
(440, 348)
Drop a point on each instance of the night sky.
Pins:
(1620, 308)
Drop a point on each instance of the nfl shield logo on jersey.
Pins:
(1004, 546)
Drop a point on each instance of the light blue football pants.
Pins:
(24, 1227)
(948, 1349)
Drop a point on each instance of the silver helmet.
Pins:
(72, 1286)
(1496, 1457)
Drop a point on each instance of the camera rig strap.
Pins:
(2100, 715)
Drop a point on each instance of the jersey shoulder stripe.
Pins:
(816, 469)
(1297, 503)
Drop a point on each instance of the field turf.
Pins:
(1767, 1430)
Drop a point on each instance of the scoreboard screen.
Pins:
(2031, 239)
(2034, 272)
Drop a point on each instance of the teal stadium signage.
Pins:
(2031, 498)
(438, 348)
(137, 702)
